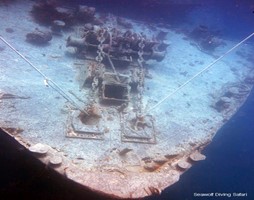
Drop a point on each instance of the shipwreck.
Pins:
(103, 115)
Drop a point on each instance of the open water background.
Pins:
(230, 157)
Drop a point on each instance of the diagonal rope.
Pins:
(47, 81)
(199, 73)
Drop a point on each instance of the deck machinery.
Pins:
(114, 76)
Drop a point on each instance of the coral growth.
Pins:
(231, 94)
(122, 22)
(85, 13)
(206, 39)
(57, 26)
(223, 104)
(39, 37)
(47, 12)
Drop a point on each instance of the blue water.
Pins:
(229, 167)
(233, 17)
(229, 164)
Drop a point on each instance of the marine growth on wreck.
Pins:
(94, 104)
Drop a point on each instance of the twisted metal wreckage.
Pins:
(116, 77)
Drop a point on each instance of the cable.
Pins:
(200, 72)
(47, 81)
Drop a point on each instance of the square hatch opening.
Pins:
(114, 90)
